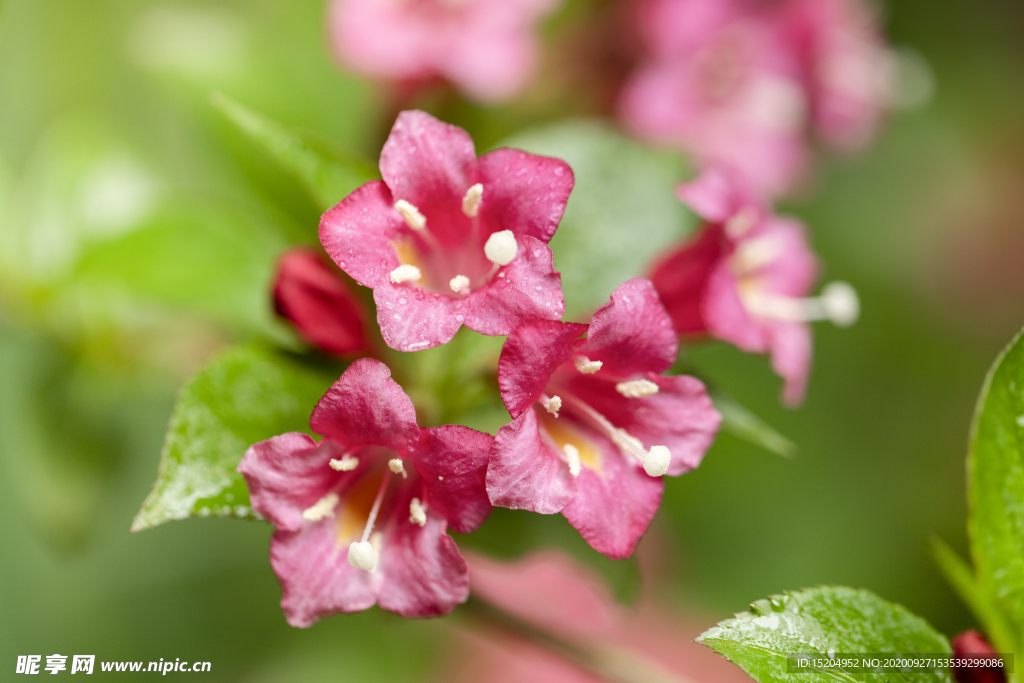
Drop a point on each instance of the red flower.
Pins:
(448, 239)
(971, 643)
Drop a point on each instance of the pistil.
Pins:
(627, 443)
(361, 554)
(838, 303)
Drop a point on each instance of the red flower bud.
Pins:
(973, 643)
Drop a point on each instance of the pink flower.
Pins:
(448, 239)
(596, 424)
(721, 85)
(744, 279)
(486, 47)
(361, 516)
(309, 293)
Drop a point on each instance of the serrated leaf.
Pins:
(622, 212)
(742, 423)
(959, 575)
(823, 619)
(995, 488)
(243, 396)
(327, 175)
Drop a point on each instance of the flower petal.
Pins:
(524, 193)
(632, 333)
(681, 279)
(422, 572)
(530, 354)
(714, 195)
(791, 358)
(286, 475)
(613, 508)
(365, 406)
(795, 270)
(524, 473)
(528, 288)
(453, 463)
(725, 315)
(412, 319)
(315, 575)
(358, 233)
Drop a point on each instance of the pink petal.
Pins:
(795, 270)
(380, 39)
(725, 315)
(528, 358)
(680, 416)
(632, 333)
(715, 195)
(613, 508)
(681, 279)
(412, 319)
(312, 295)
(524, 473)
(365, 406)
(431, 164)
(791, 358)
(453, 463)
(423, 573)
(286, 475)
(524, 193)
(358, 233)
(492, 64)
(315, 575)
(526, 289)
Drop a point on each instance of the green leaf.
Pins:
(959, 575)
(995, 488)
(243, 396)
(622, 212)
(822, 619)
(742, 423)
(328, 176)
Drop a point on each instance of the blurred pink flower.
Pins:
(361, 516)
(744, 277)
(554, 593)
(447, 239)
(596, 424)
(488, 48)
(310, 293)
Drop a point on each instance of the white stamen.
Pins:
(585, 365)
(631, 440)
(741, 223)
(471, 202)
(754, 254)
(405, 273)
(459, 283)
(657, 461)
(841, 304)
(501, 248)
(398, 467)
(362, 556)
(346, 464)
(552, 405)
(637, 388)
(572, 455)
(322, 508)
(413, 218)
(417, 512)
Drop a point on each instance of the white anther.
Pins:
(405, 273)
(553, 405)
(413, 218)
(346, 464)
(585, 365)
(459, 283)
(841, 304)
(657, 461)
(471, 202)
(417, 512)
(398, 467)
(572, 455)
(322, 508)
(362, 556)
(501, 247)
(741, 223)
(637, 388)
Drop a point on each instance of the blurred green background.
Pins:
(138, 234)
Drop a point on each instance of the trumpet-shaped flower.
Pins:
(309, 293)
(745, 280)
(486, 47)
(596, 424)
(447, 239)
(361, 516)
